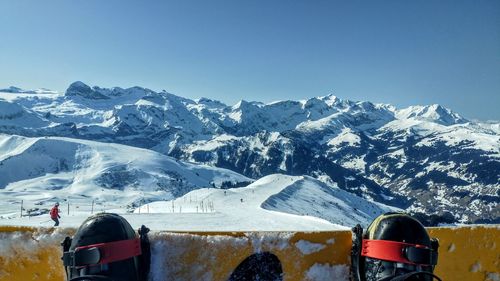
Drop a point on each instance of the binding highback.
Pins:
(106, 247)
(395, 247)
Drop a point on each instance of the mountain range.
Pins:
(427, 160)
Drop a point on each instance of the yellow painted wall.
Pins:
(224, 255)
(31, 254)
(466, 253)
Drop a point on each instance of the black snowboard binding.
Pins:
(395, 247)
(106, 248)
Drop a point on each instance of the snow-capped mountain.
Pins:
(428, 160)
(433, 113)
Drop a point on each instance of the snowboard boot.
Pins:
(395, 247)
(105, 247)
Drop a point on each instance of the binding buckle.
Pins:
(82, 257)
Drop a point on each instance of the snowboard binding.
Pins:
(395, 247)
(106, 248)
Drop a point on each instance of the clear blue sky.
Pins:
(398, 52)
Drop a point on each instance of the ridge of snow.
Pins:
(330, 202)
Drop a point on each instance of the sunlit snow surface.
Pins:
(275, 202)
(88, 177)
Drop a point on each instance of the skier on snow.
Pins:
(54, 214)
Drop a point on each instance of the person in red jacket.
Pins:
(54, 214)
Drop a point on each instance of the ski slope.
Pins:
(162, 192)
(275, 202)
(91, 175)
(266, 205)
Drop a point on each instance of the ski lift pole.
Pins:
(21, 208)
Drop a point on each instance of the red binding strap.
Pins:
(115, 251)
(394, 251)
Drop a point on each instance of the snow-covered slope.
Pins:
(308, 196)
(274, 202)
(14, 115)
(49, 169)
(426, 159)
(434, 113)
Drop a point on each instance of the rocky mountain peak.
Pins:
(83, 90)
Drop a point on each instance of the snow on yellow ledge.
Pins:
(466, 253)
